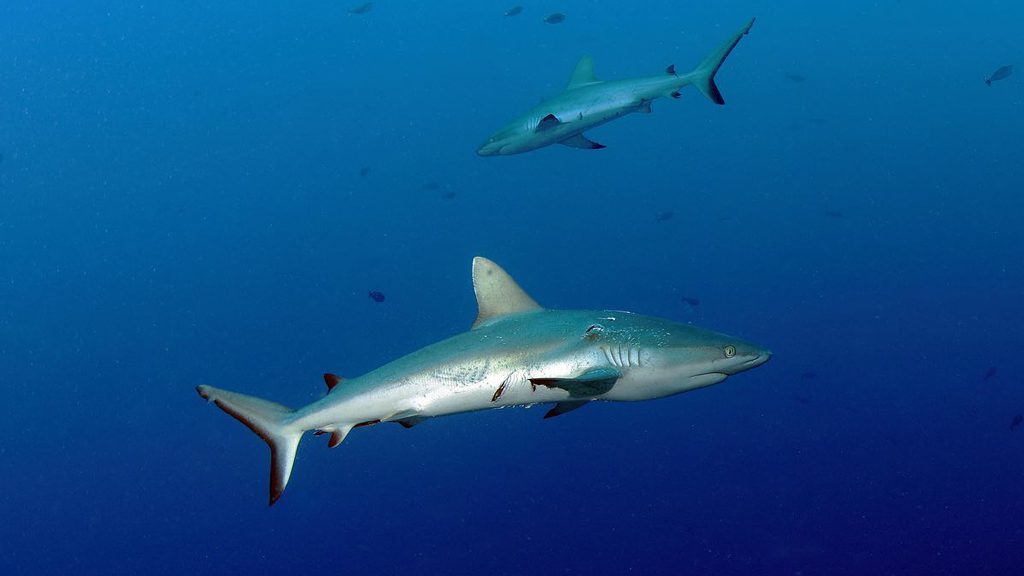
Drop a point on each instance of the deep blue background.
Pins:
(181, 203)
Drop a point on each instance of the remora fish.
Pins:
(517, 353)
(588, 102)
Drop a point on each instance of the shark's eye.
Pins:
(730, 351)
(593, 331)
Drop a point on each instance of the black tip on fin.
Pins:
(675, 94)
(563, 407)
(671, 70)
(547, 122)
(716, 96)
(276, 491)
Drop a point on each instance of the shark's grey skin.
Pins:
(516, 354)
(588, 102)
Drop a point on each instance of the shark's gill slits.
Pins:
(622, 357)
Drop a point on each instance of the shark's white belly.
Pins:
(441, 394)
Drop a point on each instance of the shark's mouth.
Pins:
(736, 368)
(748, 364)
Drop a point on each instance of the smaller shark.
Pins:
(516, 354)
(588, 102)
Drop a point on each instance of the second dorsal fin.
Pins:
(497, 294)
(332, 380)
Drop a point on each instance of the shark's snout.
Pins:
(490, 148)
(743, 362)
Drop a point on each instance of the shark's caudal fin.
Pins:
(268, 420)
(704, 74)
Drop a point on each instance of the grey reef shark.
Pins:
(516, 354)
(588, 102)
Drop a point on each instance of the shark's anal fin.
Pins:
(581, 141)
(593, 382)
(497, 294)
(563, 407)
(338, 434)
(547, 123)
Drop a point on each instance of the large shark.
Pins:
(516, 354)
(588, 102)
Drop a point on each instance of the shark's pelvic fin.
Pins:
(497, 294)
(593, 382)
(411, 421)
(563, 407)
(547, 123)
(704, 74)
(269, 421)
(583, 74)
(581, 141)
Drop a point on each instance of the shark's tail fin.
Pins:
(269, 421)
(704, 74)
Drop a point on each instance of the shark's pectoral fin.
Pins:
(547, 123)
(563, 407)
(581, 141)
(591, 383)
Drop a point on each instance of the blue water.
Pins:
(181, 203)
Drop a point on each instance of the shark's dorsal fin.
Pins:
(497, 294)
(583, 74)
(332, 380)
